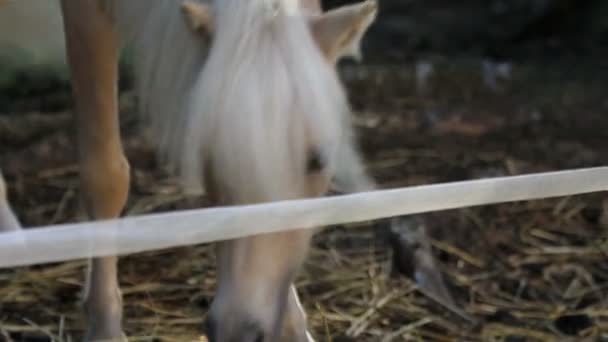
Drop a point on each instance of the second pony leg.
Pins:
(411, 247)
(8, 219)
(93, 50)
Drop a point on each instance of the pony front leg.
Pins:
(8, 219)
(93, 50)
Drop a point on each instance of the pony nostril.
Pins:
(253, 333)
(232, 331)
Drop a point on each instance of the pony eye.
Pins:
(316, 162)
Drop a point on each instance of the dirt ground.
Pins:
(529, 271)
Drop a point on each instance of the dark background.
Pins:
(494, 28)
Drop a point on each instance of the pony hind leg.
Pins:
(412, 254)
(93, 50)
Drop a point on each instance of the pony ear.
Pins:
(339, 32)
(199, 17)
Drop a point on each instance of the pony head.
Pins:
(266, 119)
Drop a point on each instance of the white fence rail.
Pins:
(183, 228)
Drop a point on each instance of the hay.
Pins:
(531, 271)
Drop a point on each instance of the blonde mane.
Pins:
(265, 99)
(168, 58)
(249, 108)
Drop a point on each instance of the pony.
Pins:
(8, 219)
(244, 102)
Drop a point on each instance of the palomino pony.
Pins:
(244, 100)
